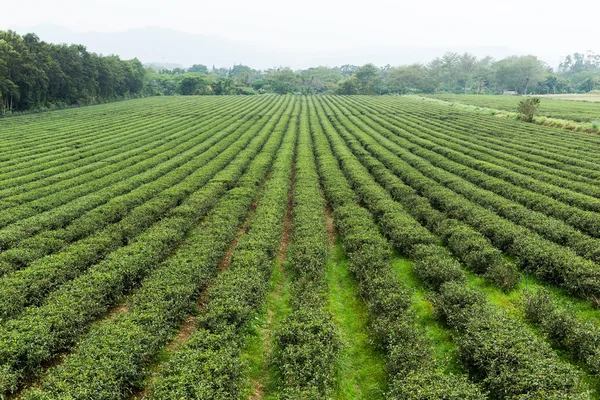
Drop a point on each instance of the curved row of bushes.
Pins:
(208, 365)
(31, 285)
(35, 337)
(579, 337)
(113, 359)
(488, 357)
(135, 192)
(413, 372)
(547, 260)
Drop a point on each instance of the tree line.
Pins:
(36, 75)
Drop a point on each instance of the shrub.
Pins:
(434, 384)
(528, 108)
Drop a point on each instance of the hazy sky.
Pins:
(542, 27)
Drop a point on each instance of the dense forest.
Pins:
(451, 73)
(35, 74)
(38, 75)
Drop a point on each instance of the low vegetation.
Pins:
(219, 247)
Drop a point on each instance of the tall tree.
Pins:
(519, 73)
(369, 79)
(450, 64)
(467, 64)
(531, 71)
(434, 72)
(484, 73)
(405, 79)
(282, 80)
(198, 68)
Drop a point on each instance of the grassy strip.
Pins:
(261, 380)
(570, 125)
(444, 348)
(361, 368)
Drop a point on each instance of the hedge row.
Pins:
(580, 338)
(208, 365)
(119, 200)
(306, 343)
(472, 248)
(113, 359)
(183, 135)
(538, 369)
(408, 354)
(27, 342)
(31, 286)
(548, 261)
(493, 134)
(503, 354)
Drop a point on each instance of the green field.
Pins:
(294, 247)
(562, 108)
(587, 97)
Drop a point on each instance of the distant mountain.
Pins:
(153, 45)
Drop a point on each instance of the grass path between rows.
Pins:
(261, 379)
(361, 373)
(440, 336)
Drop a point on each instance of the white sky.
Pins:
(542, 27)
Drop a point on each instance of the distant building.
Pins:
(510, 93)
